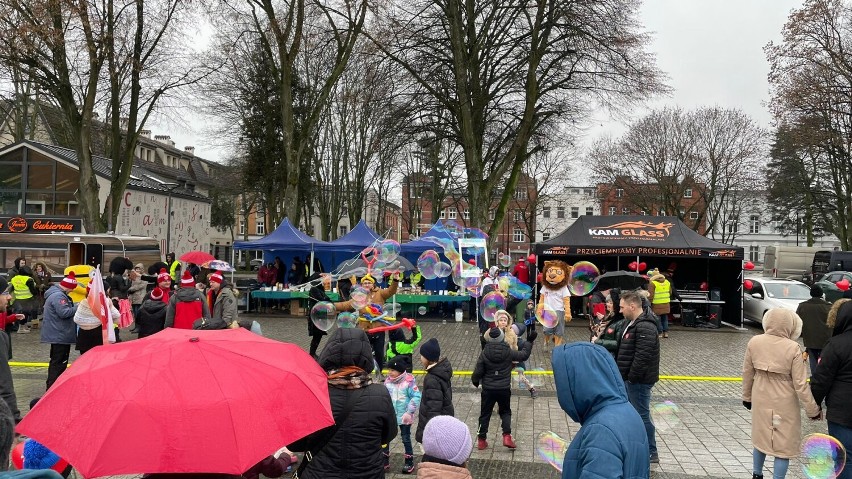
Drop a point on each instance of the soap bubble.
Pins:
(546, 315)
(490, 304)
(426, 263)
(505, 260)
(665, 415)
(323, 315)
(442, 270)
(583, 278)
(823, 456)
(552, 449)
(388, 250)
(359, 297)
(347, 319)
(421, 310)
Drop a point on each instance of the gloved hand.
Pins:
(747, 405)
(407, 418)
(476, 385)
(532, 336)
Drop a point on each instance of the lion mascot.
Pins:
(555, 295)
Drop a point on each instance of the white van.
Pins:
(791, 262)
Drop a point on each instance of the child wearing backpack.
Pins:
(406, 399)
(399, 345)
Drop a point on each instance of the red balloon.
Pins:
(643, 266)
(748, 284)
(633, 266)
(531, 258)
(538, 278)
(843, 284)
(704, 286)
(472, 261)
(748, 265)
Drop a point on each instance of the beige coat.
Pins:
(775, 374)
(433, 470)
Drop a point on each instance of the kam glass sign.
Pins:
(42, 224)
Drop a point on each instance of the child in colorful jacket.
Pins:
(400, 346)
(406, 399)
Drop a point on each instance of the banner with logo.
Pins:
(40, 224)
(635, 236)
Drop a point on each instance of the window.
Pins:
(242, 226)
(682, 213)
(491, 214)
(693, 215)
(260, 223)
(520, 194)
(612, 210)
(687, 193)
(467, 214)
(443, 213)
(545, 212)
(754, 253)
(661, 213)
(545, 236)
(560, 212)
(754, 224)
(576, 192)
(519, 215)
(518, 236)
(733, 226)
(625, 211)
(575, 211)
(452, 213)
(414, 190)
(343, 231)
(590, 210)
(619, 193)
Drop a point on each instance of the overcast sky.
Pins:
(712, 51)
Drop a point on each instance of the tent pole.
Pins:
(311, 267)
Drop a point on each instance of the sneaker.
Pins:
(533, 392)
(509, 441)
(655, 458)
(408, 468)
(481, 443)
(23, 329)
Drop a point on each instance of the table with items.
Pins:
(411, 301)
(697, 308)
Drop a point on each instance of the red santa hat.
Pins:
(69, 282)
(216, 277)
(187, 281)
(163, 276)
(156, 294)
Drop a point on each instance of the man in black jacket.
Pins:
(494, 371)
(638, 360)
(815, 333)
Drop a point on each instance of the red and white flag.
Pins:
(100, 304)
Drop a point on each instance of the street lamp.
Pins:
(171, 187)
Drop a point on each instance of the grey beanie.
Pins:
(495, 335)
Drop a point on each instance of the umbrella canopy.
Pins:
(218, 265)
(358, 266)
(181, 401)
(624, 280)
(197, 257)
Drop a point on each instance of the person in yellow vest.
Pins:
(25, 293)
(174, 267)
(661, 292)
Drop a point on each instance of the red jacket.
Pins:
(267, 276)
(7, 319)
(522, 272)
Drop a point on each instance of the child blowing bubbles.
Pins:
(406, 398)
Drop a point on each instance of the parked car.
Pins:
(828, 283)
(768, 293)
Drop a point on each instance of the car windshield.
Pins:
(787, 291)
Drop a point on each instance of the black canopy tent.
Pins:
(664, 242)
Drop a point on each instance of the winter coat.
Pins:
(355, 449)
(58, 326)
(638, 356)
(118, 286)
(266, 276)
(151, 318)
(86, 319)
(494, 366)
(42, 282)
(612, 335)
(225, 306)
(814, 314)
(399, 345)
(832, 379)
(185, 306)
(433, 470)
(378, 296)
(404, 393)
(775, 375)
(612, 442)
(137, 291)
(437, 395)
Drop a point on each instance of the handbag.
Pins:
(328, 433)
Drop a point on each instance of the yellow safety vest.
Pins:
(22, 292)
(662, 292)
(173, 270)
(415, 278)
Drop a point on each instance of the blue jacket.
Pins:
(611, 443)
(404, 394)
(58, 327)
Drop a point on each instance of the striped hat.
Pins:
(69, 282)
(163, 276)
(216, 277)
(187, 281)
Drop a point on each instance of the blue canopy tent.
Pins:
(286, 242)
(413, 249)
(350, 245)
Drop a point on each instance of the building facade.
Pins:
(627, 197)
(559, 211)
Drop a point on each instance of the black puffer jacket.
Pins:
(151, 318)
(436, 395)
(832, 379)
(638, 356)
(355, 449)
(494, 366)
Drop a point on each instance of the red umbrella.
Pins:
(197, 257)
(181, 401)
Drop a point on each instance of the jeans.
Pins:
(813, 358)
(664, 323)
(503, 399)
(639, 396)
(405, 434)
(58, 362)
(779, 467)
(844, 435)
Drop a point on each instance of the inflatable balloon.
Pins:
(842, 285)
(748, 284)
(643, 266)
(748, 266)
(704, 286)
(633, 266)
(531, 258)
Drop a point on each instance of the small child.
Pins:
(406, 398)
(494, 371)
(437, 399)
(529, 318)
(398, 345)
(446, 448)
(523, 381)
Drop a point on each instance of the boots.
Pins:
(533, 392)
(757, 476)
(509, 441)
(481, 443)
(386, 459)
(408, 468)
(557, 340)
